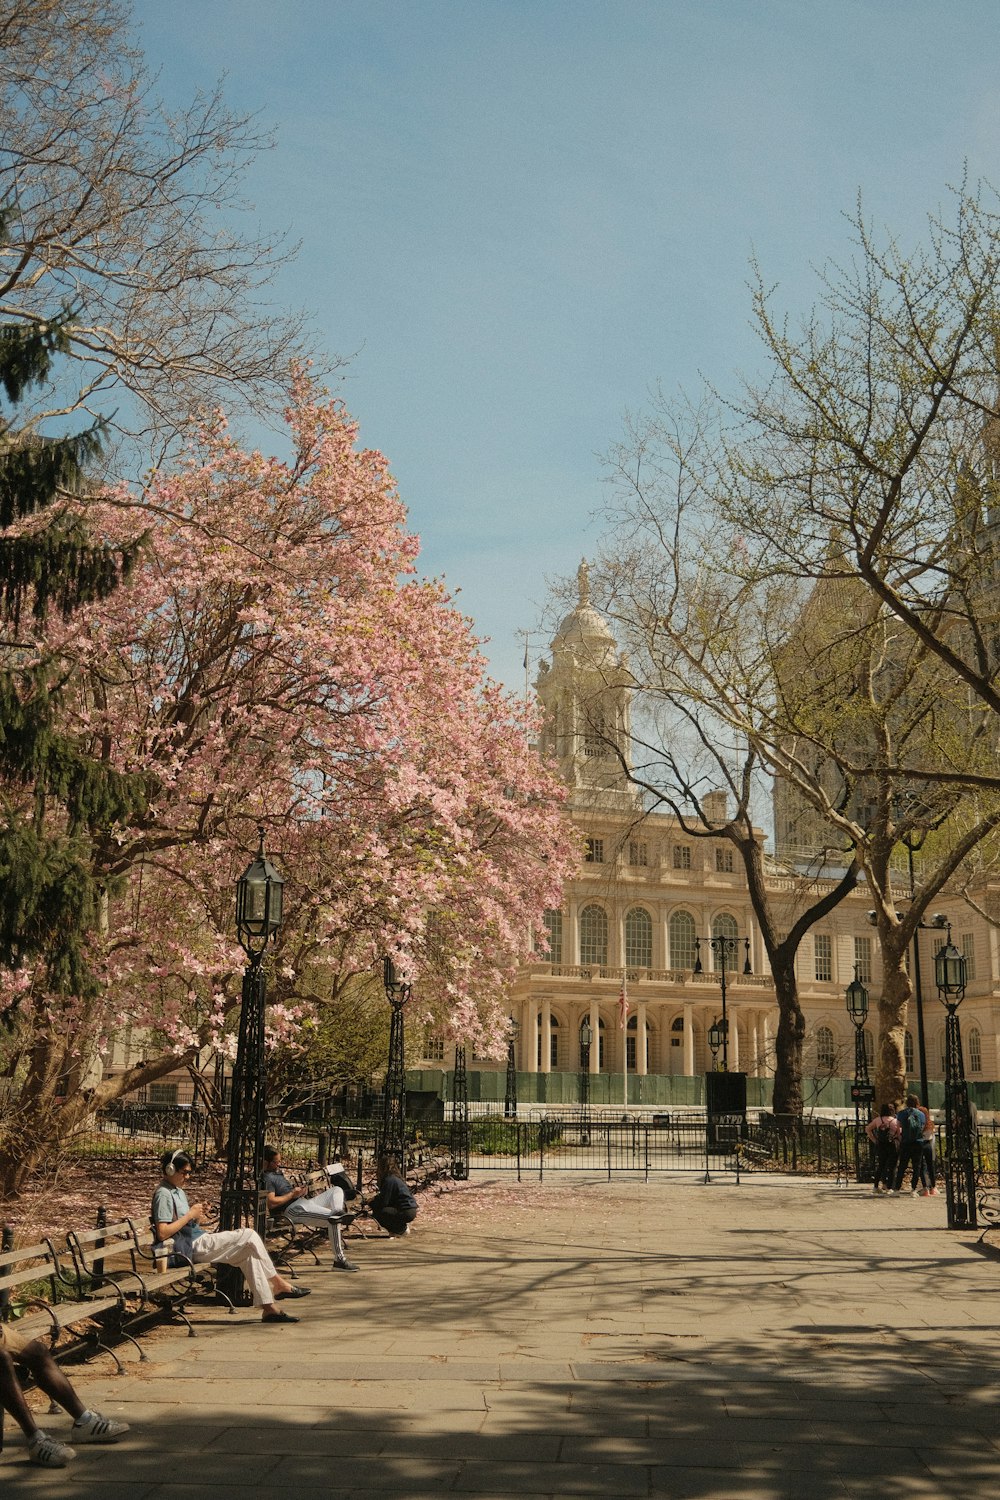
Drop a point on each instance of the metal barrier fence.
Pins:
(573, 1140)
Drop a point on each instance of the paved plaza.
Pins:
(575, 1338)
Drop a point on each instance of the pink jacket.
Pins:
(889, 1121)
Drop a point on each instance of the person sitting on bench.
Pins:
(88, 1426)
(394, 1206)
(301, 1206)
(174, 1218)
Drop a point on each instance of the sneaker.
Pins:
(345, 1265)
(876, 1188)
(44, 1450)
(933, 1193)
(93, 1428)
(925, 1192)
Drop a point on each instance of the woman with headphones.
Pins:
(175, 1219)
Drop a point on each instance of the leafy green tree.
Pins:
(56, 798)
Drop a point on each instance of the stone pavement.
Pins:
(781, 1341)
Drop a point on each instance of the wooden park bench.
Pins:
(46, 1301)
(138, 1266)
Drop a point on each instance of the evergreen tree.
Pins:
(55, 799)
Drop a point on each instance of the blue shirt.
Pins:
(170, 1203)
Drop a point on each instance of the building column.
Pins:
(766, 1044)
(595, 1046)
(641, 1059)
(546, 1036)
(755, 1043)
(688, 1039)
(734, 1041)
(529, 1038)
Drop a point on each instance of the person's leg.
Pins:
(43, 1450)
(927, 1170)
(50, 1379)
(897, 1181)
(12, 1396)
(244, 1248)
(325, 1208)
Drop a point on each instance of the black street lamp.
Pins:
(392, 1134)
(959, 1166)
(586, 1042)
(724, 947)
(460, 1130)
(861, 1090)
(510, 1092)
(716, 1036)
(259, 905)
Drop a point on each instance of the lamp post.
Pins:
(715, 1040)
(392, 1135)
(912, 844)
(861, 1090)
(959, 1166)
(259, 904)
(460, 1119)
(586, 1042)
(510, 1092)
(723, 947)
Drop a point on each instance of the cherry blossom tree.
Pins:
(276, 660)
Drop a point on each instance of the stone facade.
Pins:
(649, 895)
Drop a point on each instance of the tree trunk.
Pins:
(893, 1006)
(38, 1124)
(786, 1099)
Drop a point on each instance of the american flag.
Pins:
(623, 1006)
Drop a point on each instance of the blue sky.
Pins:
(516, 217)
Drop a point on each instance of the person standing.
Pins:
(302, 1207)
(928, 1173)
(883, 1131)
(912, 1122)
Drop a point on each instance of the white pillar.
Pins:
(734, 1041)
(595, 1030)
(546, 1036)
(640, 1039)
(529, 1038)
(766, 1039)
(688, 1039)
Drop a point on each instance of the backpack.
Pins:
(883, 1135)
(912, 1125)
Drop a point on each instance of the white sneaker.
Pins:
(49, 1453)
(93, 1428)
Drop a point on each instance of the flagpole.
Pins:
(623, 1007)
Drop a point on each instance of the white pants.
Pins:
(243, 1248)
(321, 1210)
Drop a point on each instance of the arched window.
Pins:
(594, 935)
(826, 1051)
(975, 1051)
(908, 1052)
(682, 934)
(724, 925)
(638, 939)
(554, 928)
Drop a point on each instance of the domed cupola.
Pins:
(585, 695)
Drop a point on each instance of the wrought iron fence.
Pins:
(535, 1143)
